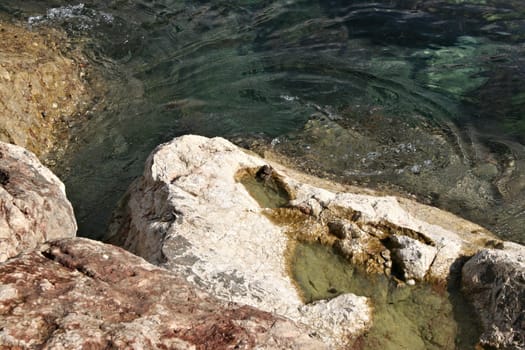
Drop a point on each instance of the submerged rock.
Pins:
(43, 86)
(78, 294)
(33, 203)
(473, 173)
(227, 220)
(494, 281)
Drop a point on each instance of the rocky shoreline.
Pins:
(194, 215)
(220, 229)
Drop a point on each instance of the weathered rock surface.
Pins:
(494, 281)
(33, 203)
(227, 220)
(41, 88)
(81, 294)
(413, 257)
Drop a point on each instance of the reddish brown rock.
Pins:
(81, 294)
(33, 203)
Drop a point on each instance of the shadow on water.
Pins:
(404, 317)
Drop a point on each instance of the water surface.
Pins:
(424, 97)
(419, 317)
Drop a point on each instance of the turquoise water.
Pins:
(423, 97)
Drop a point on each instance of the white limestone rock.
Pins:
(33, 203)
(413, 257)
(190, 214)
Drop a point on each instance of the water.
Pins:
(422, 97)
(405, 317)
(422, 316)
(265, 187)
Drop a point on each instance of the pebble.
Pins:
(416, 169)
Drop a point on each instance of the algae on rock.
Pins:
(43, 88)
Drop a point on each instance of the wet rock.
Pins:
(33, 203)
(411, 257)
(439, 163)
(190, 213)
(494, 281)
(366, 250)
(338, 229)
(78, 294)
(42, 87)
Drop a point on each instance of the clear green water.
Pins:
(427, 97)
(266, 190)
(405, 317)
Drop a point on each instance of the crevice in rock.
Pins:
(397, 269)
(4, 177)
(392, 229)
(463, 310)
(66, 260)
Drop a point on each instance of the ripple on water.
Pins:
(443, 78)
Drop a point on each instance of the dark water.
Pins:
(426, 97)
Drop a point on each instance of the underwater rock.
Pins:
(43, 87)
(201, 211)
(436, 161)
(33, 203)
(494, 281)
(79, 294)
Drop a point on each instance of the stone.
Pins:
(78, 294)
(338, 229)
(33, 203)
(411, 257)
(191, 214)
(494, 281)
(201, 211)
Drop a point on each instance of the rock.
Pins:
(412, 257)
(41, 87)
(33, 203)
(338, 229)
(190, 215)
(201, 210)
(427, 164)
(494, 281)
(78, 294)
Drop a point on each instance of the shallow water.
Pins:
(425, 97)
(265, 188)
(404, 317)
